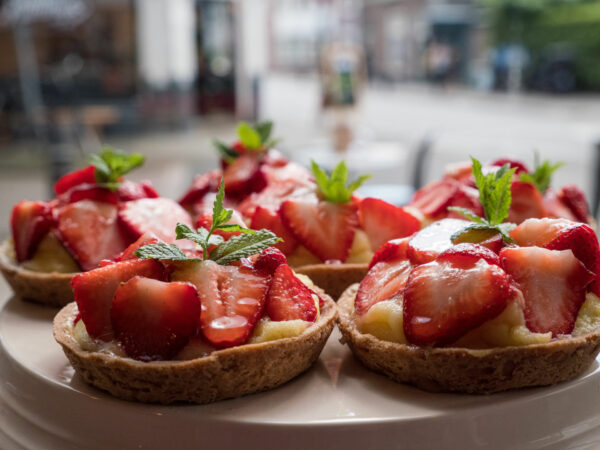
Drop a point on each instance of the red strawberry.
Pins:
(89, 192)
(206, 220)
(30, 222)
(392, 250)
(270, 197)
(433, 199)
(428, 243)
(466, 197)
(156, 215)
(90, 232)
(443, 302)
(513, 163)
(289, 298)
(202, 185)
(128, 190)
(232, 298)
(383, 221)
(70, 180)
(538, 231)
(461, 172)
(465, 255)
(553, 285)
(244, 176)
(582, 241)
(269, 260)
(270, 220)
(574, 198)
(325, 229)
(555, 207)
(494, 243)
(288, 173)
(94, 291)
(129, 252)
(526, 202)
(153, 320)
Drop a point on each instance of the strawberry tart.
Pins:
(95, 216)
(164, 326)
(479, 305)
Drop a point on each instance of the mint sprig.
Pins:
(495, 197)
(223, 252)
(335, 187)
(255, 138)
(110, 165)
(542, 174)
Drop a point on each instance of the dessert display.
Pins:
(95, 216)
(479, 305)
(225, 319)
(531, 192)
(327, 232)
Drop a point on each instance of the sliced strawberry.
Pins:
(555, 207)
(29, 222)
(289, 298)
(90, 232)
(553, 284)
(461, 172)
(384, 280)
(494, 243)
(574, 198)
(128, 190)
(433, 199)
(465, 197)
(153, 320)
(326, 229)
(538, 231)
(88, 192)
(270, 197)
(70, 180)
(206, 220)
(513, 163)
(271, 220)
(395, 249)
(155, 215)
(383, 221)
(244, 176)
(202, 185)
(129, 252)
(428, 243)
(289, 172)
(526, 202)
(269, 260)
(466, 255)
(443, 302)
(232, 298)
(94, 291)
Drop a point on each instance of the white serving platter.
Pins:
(337, 404)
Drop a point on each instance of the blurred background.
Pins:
(398, 88)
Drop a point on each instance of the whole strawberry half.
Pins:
(288, 298)
(72, 179)
(383, 221)
(152, 319)
(153, 215)
(271, 220)
(232, 298)
(94, 291)
(326, 229)
(553, 284)
(429, 242)
(442, 301)
(526, 202)
(29, 222)
(90, 232)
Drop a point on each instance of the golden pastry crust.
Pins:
(334, 278)
(53, 289)
(465, 370)
(223, 374)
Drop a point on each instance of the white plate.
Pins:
(336, 404)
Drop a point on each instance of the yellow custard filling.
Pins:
(360, 252)
(49, 257)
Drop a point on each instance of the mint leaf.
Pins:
(467, 213)
(334, 187)
(248, 136)
(162, 251)
(242, 246)
(499, 195)
(110, 165)
(542, 174)
(220, 214)
(201, 237)
(227, 153)
(234, 227)
(264, 130)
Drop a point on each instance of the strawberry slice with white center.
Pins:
(326, 229)
(270, 197)
(70, 180)
(383, 221)
(94, 291)
(553, 284)
(128, 190)
(465, 255)
(232, 299)
(289, 298)
(270, 220)
(153, 215)
(90, 232)
(538, 232)
(30, 222)
(243, 176)
(429, 242)
(153, 320)
(433, 199)
(526, 202)
(388, 272)
(442, 302)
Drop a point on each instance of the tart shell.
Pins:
(223, 374)
(465, 370)
(334, 278)
(49, 288)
